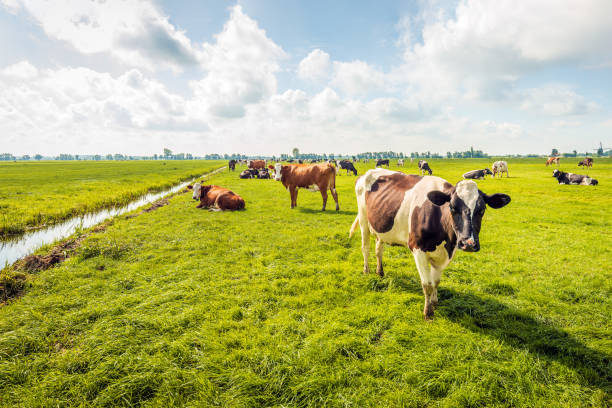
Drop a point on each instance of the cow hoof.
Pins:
(337, 208)
(380, 273)
(434, 304)
(366, 270)
(428, 313)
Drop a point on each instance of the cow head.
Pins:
(467, 205)
(277, 171)
(197, 189)
(556, 173)
(487, 171)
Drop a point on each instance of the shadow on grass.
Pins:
(329, 210)
(520, 330)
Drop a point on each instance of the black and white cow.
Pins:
(381, 162)
(571, 178)
(426, 214)
(424, 167)
(346, 165)
(400, 163)
(248, 173)
(477, 174)
(263, 174)
(232, 164)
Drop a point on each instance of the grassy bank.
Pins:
(38, 193)
(268, 307)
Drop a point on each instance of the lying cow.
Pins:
(426, 214)
(263, 174)
(571, 178)
(477, 174)
(216, 198)
(424, 167)
(232, 165)
(346, 165)
(248, 173)
(500, 167)
(588, 162)
(553, 160)
(381, 162)
(314, 177)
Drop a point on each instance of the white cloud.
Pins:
(357, 78)
(134, 32)
(20, 70)
(556, 100)
(316, 66)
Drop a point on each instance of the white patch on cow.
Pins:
(372, 175)
(196, 191)
(467, 190)
(313, 187)
(277, 171)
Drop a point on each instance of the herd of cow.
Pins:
(426, 214)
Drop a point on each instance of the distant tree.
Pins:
(109, 157)
(25, 157)
(575, 153)
(97, 157)
(296, 152)
(155, 156)
(38, 157)
(554, 152)
(167, 152)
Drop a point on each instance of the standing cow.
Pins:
(256, 164)
(426, 214)
(314, 177)
(588, 162)
(553, 160)
(400, 163)
(382, 162)
(500, 167)
(232, 165)
(424, 167)
(346, 165)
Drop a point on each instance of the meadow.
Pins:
(269, 306)
(33, 194)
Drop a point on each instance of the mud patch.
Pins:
(154, 206)
(36, 263)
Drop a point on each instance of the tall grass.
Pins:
(269, 307)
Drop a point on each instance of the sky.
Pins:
(262, 77)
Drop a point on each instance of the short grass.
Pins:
(269, 307)
(38, 193)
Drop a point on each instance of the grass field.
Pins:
(269, 307)
(38, 193)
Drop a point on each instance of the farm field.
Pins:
(269, 306)
(38, 193)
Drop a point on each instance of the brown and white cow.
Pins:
(426, 214)
(257, 164)
(314, 177)
(553, 160)
(216, 198)
(588, 162)
(500, 167)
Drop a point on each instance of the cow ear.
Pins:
(496, 200)
(438, 197)
(189, 186)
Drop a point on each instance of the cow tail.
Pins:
(354, 226)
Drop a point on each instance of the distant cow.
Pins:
(424, 167)
(257, 164)
(263, 174)
(477, 174)
(232, 165)
(216, 198)
(381, 162)
(346, 165)
(500, 167)
(314, 177)
(400, 163)
(247, 174)
(553, 160)
(426, 214)
(588, 162)
(571, 178)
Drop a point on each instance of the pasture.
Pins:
(38, 193)
(269, 306)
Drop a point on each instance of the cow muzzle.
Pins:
(469, 245)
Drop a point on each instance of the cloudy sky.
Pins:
(264, 76)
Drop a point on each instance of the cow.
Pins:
(232, 165)
(346, 165)
(314, 177)
(400, 163)
(216, 198)
(428, 215)
(424, 167)
(381, 162)
(263, 174)
(551, 160)
(256, 164)
(247, 174)
(500, 167)
(575, 179)
(477, 174)
(588, 162)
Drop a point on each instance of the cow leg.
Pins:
(293, 192)
(435, 277)
(324, 195)
(422, 264)
(335, 196)
(380, 246)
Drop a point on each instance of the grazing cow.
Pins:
(257, 164)
(426, 214)
(216, 198)
(424, 167)
(381, 162)
(571, 178)
(477, 174)
(551, 160)
(263, 174)
(314, 177)
(232, 165)
(588, 162)
(400, 163)
(346, 165)
(500, 167)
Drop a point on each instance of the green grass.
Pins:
(38, 193)
(269, 307)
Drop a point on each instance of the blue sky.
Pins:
(262, 77)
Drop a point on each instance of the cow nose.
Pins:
(470, 242)
(469, 245)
